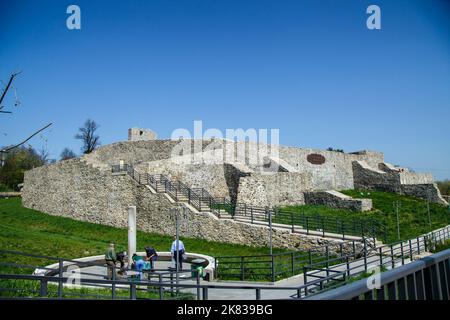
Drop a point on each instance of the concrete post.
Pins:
(131, 232)
(121, 164)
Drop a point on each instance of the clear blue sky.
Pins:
(310, 68)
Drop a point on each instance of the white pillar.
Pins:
(131, 231)
(121, 163)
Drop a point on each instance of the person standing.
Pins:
(110, 257)
(178, 255)
(151, 257)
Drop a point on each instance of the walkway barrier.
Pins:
(274, 267)
(383, 258)
(424, 279)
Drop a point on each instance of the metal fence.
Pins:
(424, 279)
(265, 267)
(384, 257)
(297, 222)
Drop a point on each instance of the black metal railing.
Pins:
(384, 257)
(424, 279)
(310, 224)
(269, 267)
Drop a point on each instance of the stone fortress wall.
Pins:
(245, 172)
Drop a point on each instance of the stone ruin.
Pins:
(254, 174)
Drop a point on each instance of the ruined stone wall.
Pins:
(76, 190)
(335, 199)
(334, 173)
(73, 189)
(280, 189)
(368, 178)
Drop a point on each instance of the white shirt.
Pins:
(174, 246)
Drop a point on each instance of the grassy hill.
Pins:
(35, 232)
(412, 212)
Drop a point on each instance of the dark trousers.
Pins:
(178, 257)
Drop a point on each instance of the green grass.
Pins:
(31, 231)
(413, 213)
(29, 289)
(441, 246)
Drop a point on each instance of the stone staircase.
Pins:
(196, 199)
(199, 200)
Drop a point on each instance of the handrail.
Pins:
(391, 279)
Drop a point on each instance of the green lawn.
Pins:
(35, 232)
(413, 213)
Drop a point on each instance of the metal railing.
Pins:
(156, 284)
(424, 279)
(384, 257)
(312, 224)
(201, 200)
(269, 267)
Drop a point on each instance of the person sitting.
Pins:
(138, 264)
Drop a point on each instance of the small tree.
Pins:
(88, 137)
(67, 154)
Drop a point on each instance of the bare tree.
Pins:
(4, 151)
(88, 137)
(67, 154)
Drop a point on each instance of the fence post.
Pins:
(60, 275)
(273, 268)
(309, 257)
(258, 294)
(251, 214)
(418, 245)
(410, 251)
(292, 263)
(292, 221)
(133, 291)
(307, 226)
(198, 284)
(242, 268)
(348, 266)
(171, 284)
(392, 257)
(381, 257)
(305, 278)
(43, 288)
(205, 293)
(401, 252)
(160, 288)
(354, 249)
(342, 229)
(323, 227)
(365, 255)
(341, 250)
(113, 286)
(327, 255)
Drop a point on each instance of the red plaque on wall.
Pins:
(315, 158)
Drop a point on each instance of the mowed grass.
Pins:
(31, 231)
(412, 212)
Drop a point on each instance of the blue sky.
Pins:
(310, 68)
